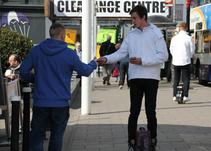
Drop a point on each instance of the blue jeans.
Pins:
(123, 72)
(58, 117)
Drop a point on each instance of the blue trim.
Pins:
(206, 9)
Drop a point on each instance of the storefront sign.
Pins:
(108, 23)
(121, 8)
(102, 36)
(70, 36)
(179, 12)
(68, 22)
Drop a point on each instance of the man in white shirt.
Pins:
(78, 49)
(147, 44)
(182, 49)
(79, 53)
(14, 69)
(14, 61)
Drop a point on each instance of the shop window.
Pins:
(169, 34)
(11, 1)
(206, 40)
(207, 1)
(201, 2)
(210, 40)
(26, 1)
(198, 26)
(194, 3)
(35, 1)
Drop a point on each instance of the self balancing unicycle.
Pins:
(180, 94)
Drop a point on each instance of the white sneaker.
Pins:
(186, 99)
(120, 87)
(174, 98)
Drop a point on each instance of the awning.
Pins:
(161, 21)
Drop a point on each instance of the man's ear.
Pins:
(63, 36)
(143, 17)
(16, 62)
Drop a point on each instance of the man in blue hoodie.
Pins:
(53, 64)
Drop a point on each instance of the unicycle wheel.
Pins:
(180, 101)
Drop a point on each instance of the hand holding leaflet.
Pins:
(132, 58)
(101, 60)
(98, 60)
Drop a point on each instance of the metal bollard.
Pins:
(26, 117)
(15, 123)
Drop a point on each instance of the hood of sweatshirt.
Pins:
(51, 47)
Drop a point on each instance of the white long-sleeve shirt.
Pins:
(149, 45)
(182, 49)
(79, 53)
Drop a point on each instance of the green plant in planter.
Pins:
(12, 42)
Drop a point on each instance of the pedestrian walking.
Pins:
(107, 48)
(53, 63)
(182, 49)
(123, 72)
(146, 44)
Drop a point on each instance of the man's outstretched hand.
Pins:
(101, 60)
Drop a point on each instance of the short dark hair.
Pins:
(16, 58)
(184, 25)
(140, 10)
(56, 29)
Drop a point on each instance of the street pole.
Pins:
(188, 14)
(174, 11)
(26, 119)
(94, 35)
(86, 56)
(15, 123)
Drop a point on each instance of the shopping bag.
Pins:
(115, 72)
(143, 139)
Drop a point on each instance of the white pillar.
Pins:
(94, 39)
(86, 56)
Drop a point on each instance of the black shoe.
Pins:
(104, 81)
(108, 83)
(132, 145)
(154, 144)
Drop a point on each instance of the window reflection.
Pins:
(206, 41)
(195, 3)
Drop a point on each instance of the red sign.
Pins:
(188, 3)
(168, 3)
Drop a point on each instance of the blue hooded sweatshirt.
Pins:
(53, 64)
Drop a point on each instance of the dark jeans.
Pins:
(139, 88)
(123, 72)
(185, 78)
(58, 117)
(79, 76)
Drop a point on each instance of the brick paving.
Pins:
(181, 127)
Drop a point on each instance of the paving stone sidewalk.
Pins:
(181, 127)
